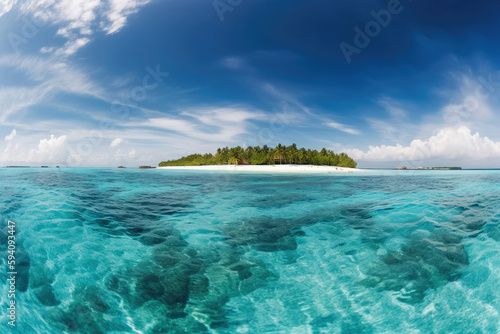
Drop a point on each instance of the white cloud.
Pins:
(222, 115)
(84, 147)
(448, 143)
(471, 109)
(49, 76)
(72, 46)
(11, 136)
(15, 99)
(171, 124)
(118, 12)
(472, 100)
(116, 142)
(47, 49)
(217, 125)
(6, 6)
(78, 20)
(48, 150)
(343, 128)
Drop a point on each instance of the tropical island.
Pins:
(256, 158)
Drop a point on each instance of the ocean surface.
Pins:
(157, 251)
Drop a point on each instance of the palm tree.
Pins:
(294, 152)
(272, 156)
(279, 151)
(302, 155)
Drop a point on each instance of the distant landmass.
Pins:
(431, 168)
(447, 168)
(256, 155)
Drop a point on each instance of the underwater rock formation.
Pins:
(264, 234)
(421, 265)
(41, 279)
(92, 310)
(190, 286)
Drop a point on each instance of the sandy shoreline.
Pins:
(269, 168)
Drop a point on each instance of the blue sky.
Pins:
(129, 82)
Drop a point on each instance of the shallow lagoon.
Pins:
(157, 251)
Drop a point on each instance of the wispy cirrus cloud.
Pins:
(209, 124)
(117, 13)
(47, 76)
(393, 107)
(6, 6)
(393, 124)
(343, 128)
(77, 20)
(16, 99)
(308, 112)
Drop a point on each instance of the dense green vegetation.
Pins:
(264, 155)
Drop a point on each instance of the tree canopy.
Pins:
(265, 155)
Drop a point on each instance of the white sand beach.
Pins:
(270, 168)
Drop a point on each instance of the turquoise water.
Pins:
(157, 251)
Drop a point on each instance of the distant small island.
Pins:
(430, 168)
(256, 155)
